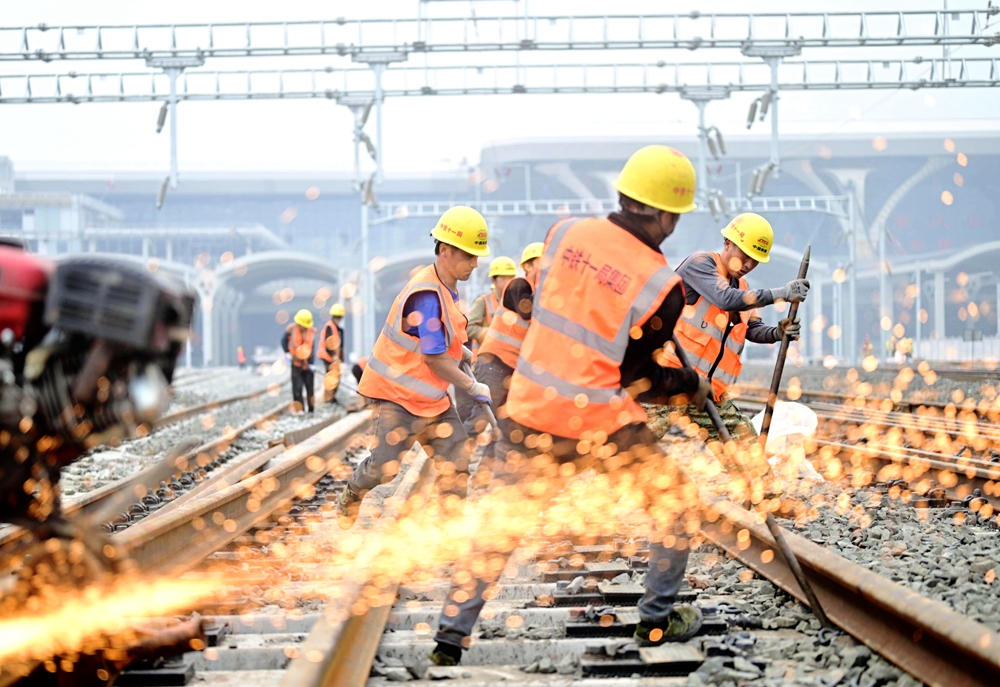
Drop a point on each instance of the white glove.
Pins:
(466, 355)
(791, 328)
(288, 358)
(480, 392)
(794, 291)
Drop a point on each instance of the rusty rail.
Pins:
(341, 646)
(175, 543)
(922, 636)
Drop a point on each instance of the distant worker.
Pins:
(866, 347)
(605, 301)
(241, 357)
(484, 307)
(414, 361)
(721, 315)
(502, 343)
(297, 343)
(331, 351)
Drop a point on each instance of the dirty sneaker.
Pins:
(348, 505)
(683, 623)
(446, 655)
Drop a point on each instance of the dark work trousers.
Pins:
(666, 565)
(302, 387)
(495, 374)
(395, 429)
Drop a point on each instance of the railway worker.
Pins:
(414, 361)
(721, 316)
(241, 357)
(605, 302)
(481, 312)
(502, 343)
(297, 343)
(331, 351)
(482, 309)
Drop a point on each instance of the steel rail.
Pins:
(183, 537)
(341, 646)
(208, 406)
(924, 637)
(967, 405)
(350, 37)
(94, 500)
(406, 81)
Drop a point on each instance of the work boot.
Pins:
(683, 623)
(446, 655)
(348, 506)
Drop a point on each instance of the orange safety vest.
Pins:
(597, 288)
(330, 336)
(713, 347)
(506, 333)
(241, 357)
(396, 370)
(300, 347)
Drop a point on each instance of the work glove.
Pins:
(703, 396)
(790, 328)
(794, 291)
(466, 355)
(312, 368)
(288, 358)
(480, 392)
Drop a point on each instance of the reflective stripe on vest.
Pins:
(598, 283)
(701, 330)
(326, 350)
(300, 348)
(506, 332)
(396, 370)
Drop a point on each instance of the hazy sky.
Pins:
(426, 133)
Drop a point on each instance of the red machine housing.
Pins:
(24, 282)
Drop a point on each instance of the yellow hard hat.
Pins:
(304, 318)
(465, 229)
(752, 234)
(337, 310)
(503, 267)
(532, 251)
(660, 177)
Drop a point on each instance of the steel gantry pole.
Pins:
(852, 283)
(701, 98)
(772, 56)
(173, 67)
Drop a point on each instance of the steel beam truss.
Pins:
(500, 33)
(835, 206)
(404, 81)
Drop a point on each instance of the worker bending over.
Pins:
(483, 308)
(331, 351)
(605, 302)
(481, 314)
(297, 343)
(413, 362)
(722, 316)
(502, 343)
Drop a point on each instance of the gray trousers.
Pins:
(666, 565)
(495, 374)
(395, 429)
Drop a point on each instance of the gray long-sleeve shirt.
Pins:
(701, 278)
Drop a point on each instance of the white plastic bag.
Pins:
(790, 425)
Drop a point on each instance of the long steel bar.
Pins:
(922, 636)
(411, 81)
(341, 645)
(342, 36)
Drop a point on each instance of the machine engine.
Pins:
(88, 347)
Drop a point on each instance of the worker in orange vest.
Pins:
(605, 302)
(298, 345)
(331, 351)
(502, 344)
(241, 357)
(722, 315)
(483, 307)
(414, 361)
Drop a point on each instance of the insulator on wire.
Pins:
(711, 146)
(765, 104)
(162, 195)
(161, 119)
(752, 114)
(754, 176)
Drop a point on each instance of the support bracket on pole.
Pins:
(173, 67)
